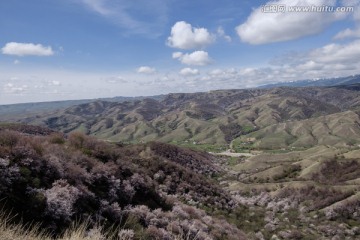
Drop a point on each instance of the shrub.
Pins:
(9, 138)
(77, 139)
(109, 122)
(60, 200)
(334, 171)
(57, 138)
(53, 182)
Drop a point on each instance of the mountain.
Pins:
(219, 117)
(279, 163)
(326, 82)
(38, 107)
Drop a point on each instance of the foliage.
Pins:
(52, 181)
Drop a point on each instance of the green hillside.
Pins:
(278, 163)
(276, 118)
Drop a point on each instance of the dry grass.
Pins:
(79, 231)
(10, 231)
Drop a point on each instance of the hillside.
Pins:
(338, 129)
(22, 109)
(219, 117)
(161, 191)
(154, 191)
(291, 170)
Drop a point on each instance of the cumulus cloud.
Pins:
(26, 49)
(348, 53)
(262, 27)
(184, 36)
(331, 60)
(198, 58)
(146, 70)
(189, 71)
(221, 33)
(327, 61)
(238, 78)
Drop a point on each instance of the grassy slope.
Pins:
(338, 129)
(219, 117)
(303, 187)
(314, 131)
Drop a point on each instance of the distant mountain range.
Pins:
(25, 108)
(286, 163)
(325, 82)
(38, 107)
(249, 118)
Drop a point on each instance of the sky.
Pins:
(80, 49)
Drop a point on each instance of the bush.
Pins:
(53, 181)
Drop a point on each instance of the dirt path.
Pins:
(232, 154)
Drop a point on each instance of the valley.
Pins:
(279, 163)
(179, 120)
(237, 119)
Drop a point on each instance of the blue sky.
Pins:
(76, 49)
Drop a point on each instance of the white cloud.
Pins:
(264, 27)
(10, 88)
(238, 78)
(26, 49)
(146, 70)
(310, 65)
(348, 33)
(55, 83)
(97, 6)
(198, 58)
(348, 53)
(184, 36)
(351, 33)
(115, 80)
(176, 55)
(189, 72)
(16, 61)
(216, 72)
(221, 33)
(330, 60)
(135, 17)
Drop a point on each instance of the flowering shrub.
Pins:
(8, 174)
(53, 180)
(60, 200)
